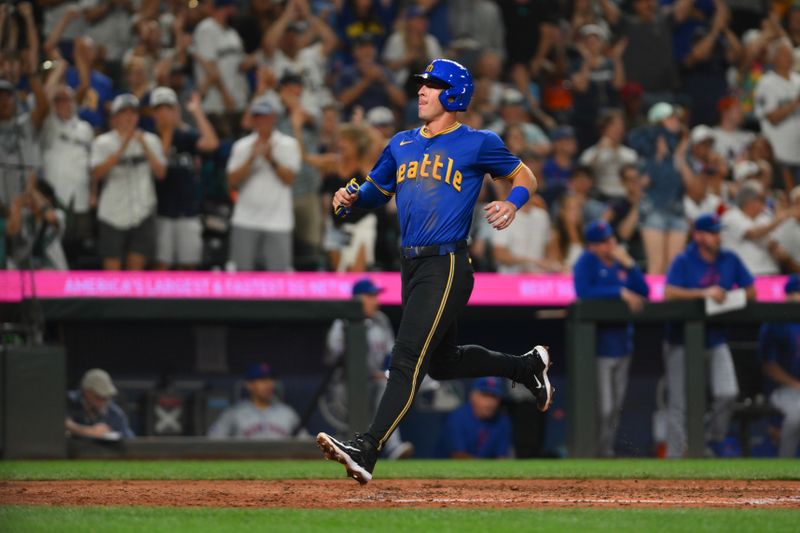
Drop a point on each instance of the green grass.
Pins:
(786, 469)
(124, 519)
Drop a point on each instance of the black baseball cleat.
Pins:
(536, 380)
(358, 455)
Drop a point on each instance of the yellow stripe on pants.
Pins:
(442, 305)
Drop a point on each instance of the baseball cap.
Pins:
(124, 101)
(512, 96)
(659, 112)
(366, 286)
(707, 222)
(489, 385)
(562, 132)
(99, 382)
(258, 371)
(225, 3)
(700, 134)
(598, 231)
(380, 116)
(163, 96)
(261, 107)
(745, 169)
(593, 29)
(792, 284)
(6, 86)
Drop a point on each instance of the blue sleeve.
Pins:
(384, 174)
(744, 278)
(495, 159)
(584, 279)
(676, 275)
(637, 283)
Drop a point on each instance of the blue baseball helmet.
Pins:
(456, 80)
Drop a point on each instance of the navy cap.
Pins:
(258, 371)
(490, 385)
(224, 3)
(598, 231)
(792, 284)
(366, 286)
(562, 132)
(707, 222)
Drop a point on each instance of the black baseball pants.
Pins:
(435, 289)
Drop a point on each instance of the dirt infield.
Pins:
(407, 493)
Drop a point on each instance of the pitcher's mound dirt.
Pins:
(407, 493)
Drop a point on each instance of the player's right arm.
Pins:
(377, 189)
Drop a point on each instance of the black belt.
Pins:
(410, 252)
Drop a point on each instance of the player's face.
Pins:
(429, 106)
(484, 405)
(708, 241)
(604, 250)
(793, 297)
(370, 304)
(261, 390)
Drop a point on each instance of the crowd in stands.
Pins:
(212, 133)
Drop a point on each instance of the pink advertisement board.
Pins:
(490, 289)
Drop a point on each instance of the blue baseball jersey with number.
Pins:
(437, 177)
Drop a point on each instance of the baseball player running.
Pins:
(436, 172)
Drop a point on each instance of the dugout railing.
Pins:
(583, 319)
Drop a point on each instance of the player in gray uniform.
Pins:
(380, 341)
(262, 416)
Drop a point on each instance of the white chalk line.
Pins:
(573, 501)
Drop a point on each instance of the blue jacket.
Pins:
(595, 280)
(114, 417)
(463, 432)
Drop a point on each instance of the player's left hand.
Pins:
(500, 214)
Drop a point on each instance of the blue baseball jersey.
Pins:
(594, 280)
(464, 432)
(690, 271)
(780, 343)
(437, 177)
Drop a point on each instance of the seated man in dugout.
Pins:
(92, 412)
